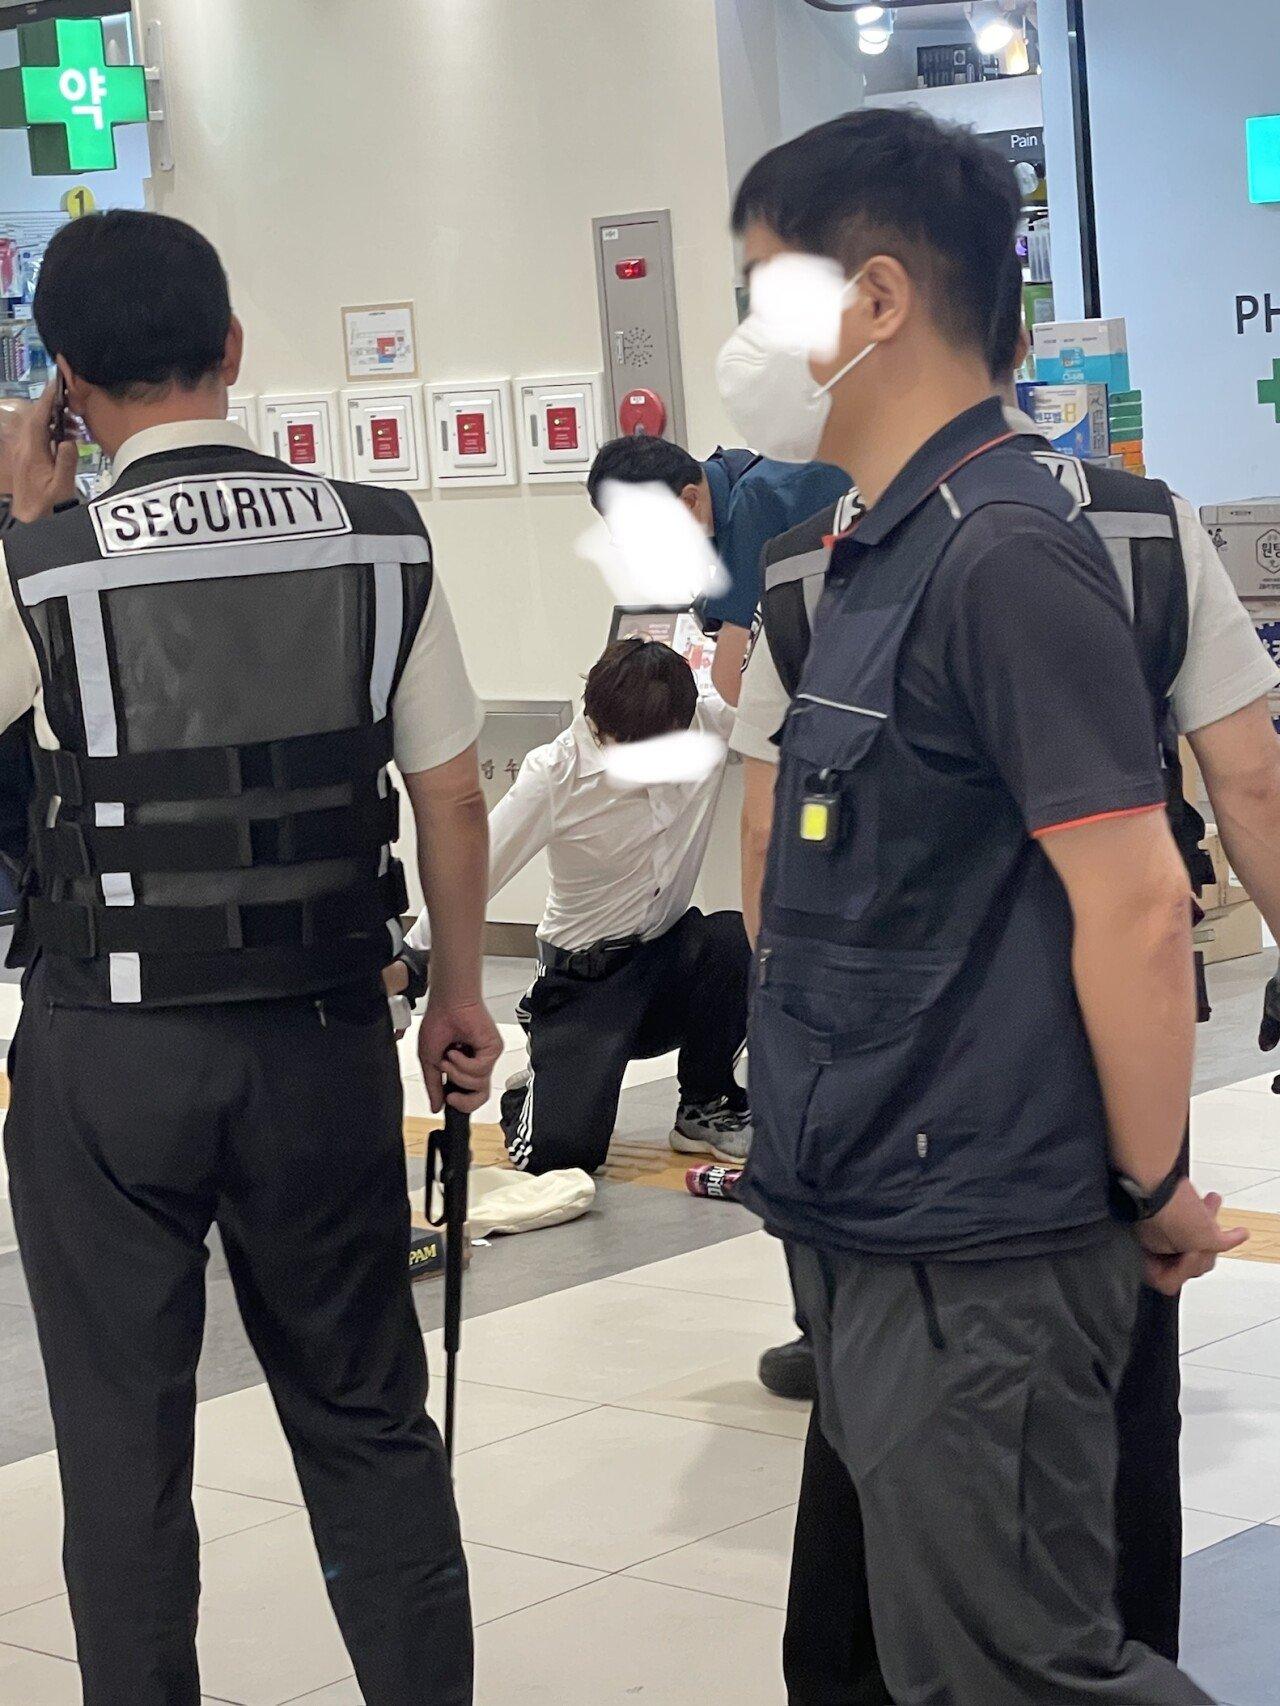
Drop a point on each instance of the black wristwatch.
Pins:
(416, 962)
(1131, 1204)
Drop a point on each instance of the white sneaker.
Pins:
(713, 1128)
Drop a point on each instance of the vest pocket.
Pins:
(832, 1074)
(824, 860)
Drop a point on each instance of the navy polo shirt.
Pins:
(921, 1077)
(768, 499)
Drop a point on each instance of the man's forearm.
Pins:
(726, 666)
(1248, 822)
(758, 780)
(1136, 987)
(1240, 760)
(453, 861)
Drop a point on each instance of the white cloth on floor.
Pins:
(507, 1202)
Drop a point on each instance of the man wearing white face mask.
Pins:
(970, 1051)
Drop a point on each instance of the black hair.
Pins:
(134, 301)
(641, 460)
(638, 689)
(893, 181)
(1006, 327)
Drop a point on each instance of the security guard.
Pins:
(223, 655)
(15, 760)
(740, 500)
(974, 978)
(1210, 680)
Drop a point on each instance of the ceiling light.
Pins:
(992, 29)
(868, 15)
(873, 44)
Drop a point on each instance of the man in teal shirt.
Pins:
(741, 501)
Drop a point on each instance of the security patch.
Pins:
(222, 509)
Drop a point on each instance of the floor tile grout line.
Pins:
(258, 1498)
(1218, 1368)
(716, 1534)
(1238, 1333)
(40, 1652)
(633, 1409)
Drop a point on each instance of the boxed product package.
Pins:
(1247, 536)
(1227, 890)
(1229, 933)
(1266, 624)
(1037, 304)
(1083, 352)
(1072, 417)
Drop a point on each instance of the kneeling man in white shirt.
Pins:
(627, 968)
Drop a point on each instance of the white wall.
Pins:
(784, 67)
(454, 152)
(1171, 88)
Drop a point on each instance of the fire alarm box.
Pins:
(243, 412)
(558, 423)
(385, 437)
(472, 442)
(302, 430)
(635, 274)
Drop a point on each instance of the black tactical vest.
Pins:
(219, 638)
(1138, 524)
(921, 1080)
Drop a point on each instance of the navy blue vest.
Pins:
(921, 1080)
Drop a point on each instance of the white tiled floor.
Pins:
(627, 1487)
(626, 1490)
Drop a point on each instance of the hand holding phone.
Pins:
(44, 461)
(59, 414)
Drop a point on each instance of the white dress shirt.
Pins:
(435, 714)
(623, 862)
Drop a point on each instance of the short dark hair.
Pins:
(642, 460)
(134, 301)
(893, 181)
(1006, 328)
(638, 689)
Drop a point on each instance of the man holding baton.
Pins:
(223, 655)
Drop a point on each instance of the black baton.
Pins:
(448, 1163)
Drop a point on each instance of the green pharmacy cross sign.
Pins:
(1269, 390)
(68, 98)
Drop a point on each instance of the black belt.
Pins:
(216, 772)
(597, 961)
(73, 849)
(84, 932)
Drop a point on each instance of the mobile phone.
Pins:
(60, 419)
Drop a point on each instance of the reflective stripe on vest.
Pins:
(219, 648)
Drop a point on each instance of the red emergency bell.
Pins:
(642, 412)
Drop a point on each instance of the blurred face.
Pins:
(788, 374)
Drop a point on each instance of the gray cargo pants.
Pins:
(973, 1404)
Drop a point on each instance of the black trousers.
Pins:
(972, 1405)
(129, 1134)
(829, 1650)
(687, 990)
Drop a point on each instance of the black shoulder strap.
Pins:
(794, 563)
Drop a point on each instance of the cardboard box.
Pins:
(1228, 890)
(1072, 417)
(1230, 933)
(1247, 536)
(1083, 352)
